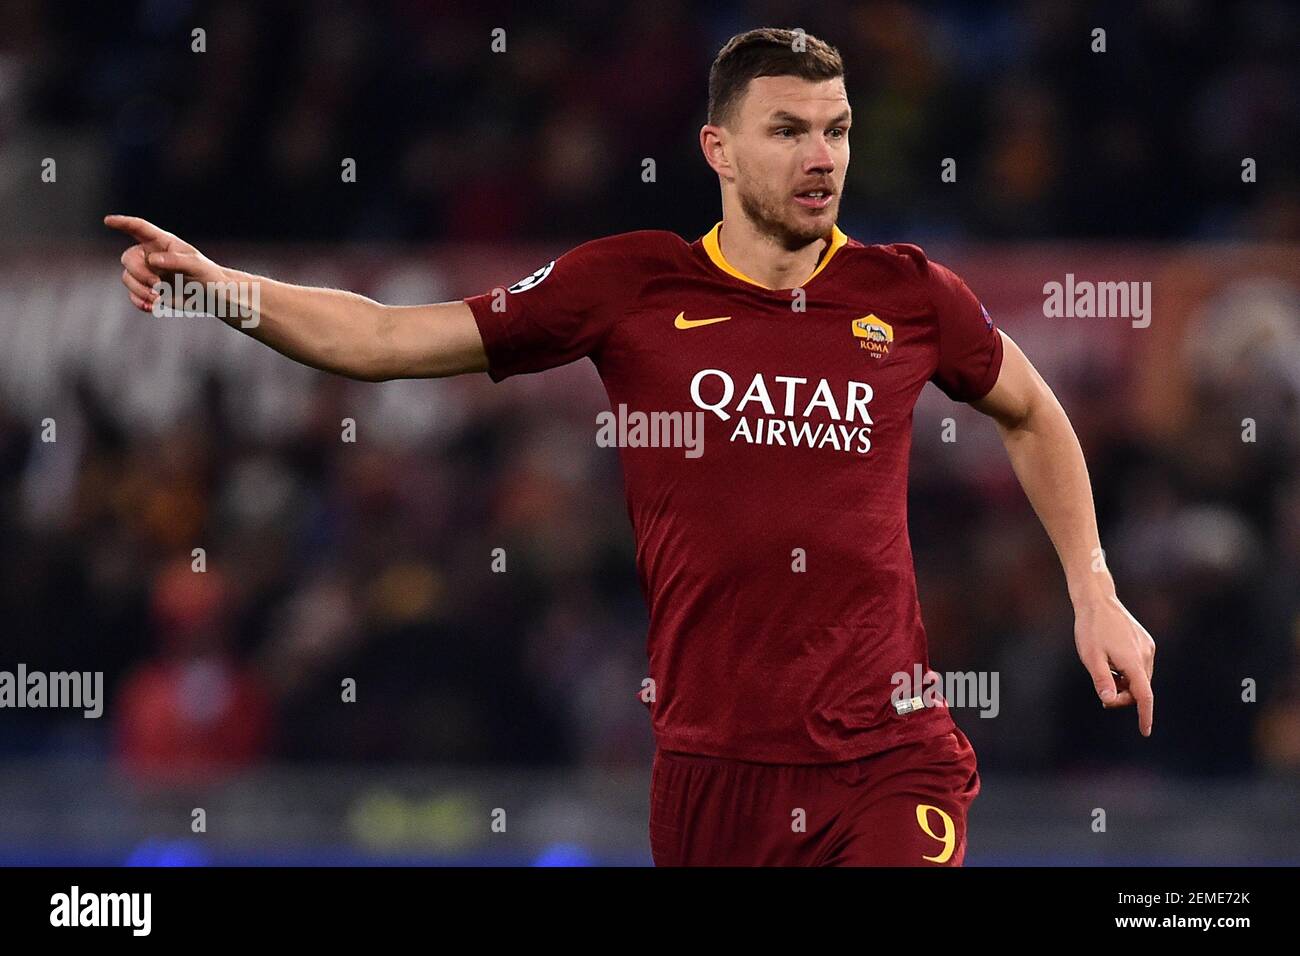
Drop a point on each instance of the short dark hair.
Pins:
(767, 51)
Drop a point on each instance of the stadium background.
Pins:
(371, 559)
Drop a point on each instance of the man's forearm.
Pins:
(1048, 461)
(1112, 644)
(328, 329)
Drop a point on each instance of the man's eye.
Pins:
(784, 130)
(839, 132)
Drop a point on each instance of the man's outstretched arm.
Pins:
(1047, 459)
(328, 329)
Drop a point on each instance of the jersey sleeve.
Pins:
(970, 348)
(556, 315)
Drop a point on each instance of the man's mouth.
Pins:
(814, 198)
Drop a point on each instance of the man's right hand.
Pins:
(157, 254)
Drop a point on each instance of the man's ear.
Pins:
(714, 146)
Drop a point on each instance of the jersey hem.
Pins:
(874, 742)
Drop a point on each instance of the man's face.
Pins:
(790, 138)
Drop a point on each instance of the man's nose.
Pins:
(819, 159)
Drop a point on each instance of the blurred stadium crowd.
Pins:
(328, 560)
(548, 138)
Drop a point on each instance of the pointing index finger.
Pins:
(140, 229)
(1146, 704)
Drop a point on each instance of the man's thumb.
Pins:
(174, 261)
(1104, 684)
(1103, 680)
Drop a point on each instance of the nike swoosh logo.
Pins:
(682, 322)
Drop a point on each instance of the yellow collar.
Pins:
(714, 250)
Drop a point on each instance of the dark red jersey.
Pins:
(775, 560)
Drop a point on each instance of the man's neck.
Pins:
(763, 260)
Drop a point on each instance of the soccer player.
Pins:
(775, 562)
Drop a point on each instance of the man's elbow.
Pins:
(367, 375)
(1040, 409)
(351, 360)
(1022, 409)
(362, 351)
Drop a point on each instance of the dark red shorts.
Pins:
(905, 806)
